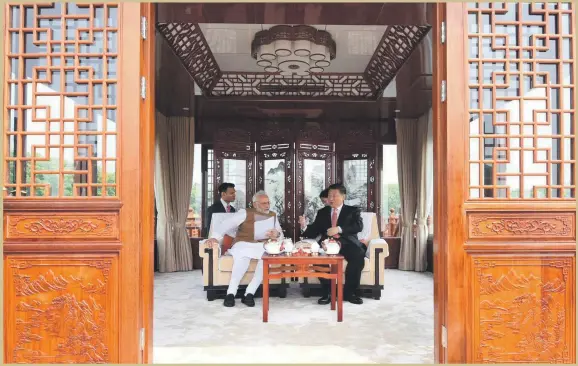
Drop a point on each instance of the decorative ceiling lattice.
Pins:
(190, 45)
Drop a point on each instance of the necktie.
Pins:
(228, 208)
(334, 221)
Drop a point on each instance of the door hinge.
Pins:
(143, 87)
(142, 339)
(444, 337)
(443, 32)
(143, 27)
(443, 91)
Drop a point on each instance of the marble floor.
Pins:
(396, 329)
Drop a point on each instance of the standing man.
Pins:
(341, 222)
(255, 226)
(227, 196)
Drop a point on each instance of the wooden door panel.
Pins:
(62, 308)
(522, 308)
(72, 161)
(510, 183)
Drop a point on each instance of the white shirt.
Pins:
(225, 204)
(234, 221)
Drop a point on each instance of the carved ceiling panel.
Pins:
(190, 45)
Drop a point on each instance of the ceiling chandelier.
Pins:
(293, 50)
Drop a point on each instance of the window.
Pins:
(194, 219)
(390, 197)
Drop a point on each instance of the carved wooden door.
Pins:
(72, 162)
(507, 216)
(275, 176)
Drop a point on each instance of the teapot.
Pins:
(288, 244)
(272, 246)
(332, 247)
(315, 247)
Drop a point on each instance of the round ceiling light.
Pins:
(293, 50)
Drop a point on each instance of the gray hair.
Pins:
(259, 194)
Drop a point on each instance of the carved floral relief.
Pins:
(101, 226)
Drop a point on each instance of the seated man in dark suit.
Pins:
(341, 222)
(227, 195)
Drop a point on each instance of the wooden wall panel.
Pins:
(61, 308)
(523, 310)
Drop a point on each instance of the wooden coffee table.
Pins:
(304, 266)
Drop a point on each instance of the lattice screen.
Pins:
(522, 112)
(61, 103)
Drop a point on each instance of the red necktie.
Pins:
(228, 208)
(334, 221)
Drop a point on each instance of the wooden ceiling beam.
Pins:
(295, 13)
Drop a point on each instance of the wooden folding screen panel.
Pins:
(275, 166)
(234, 159)
(511, 190)
(71, 210)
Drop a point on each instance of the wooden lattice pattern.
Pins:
(522, 112)
(276, 85)
(189, 44)
(397, 44)
(61, 73)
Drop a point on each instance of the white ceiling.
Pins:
(231, 45)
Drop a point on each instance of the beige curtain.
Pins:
(422, 209)
(174, 148)
(406, 131)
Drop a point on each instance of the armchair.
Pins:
(372, 276)
(217, 267)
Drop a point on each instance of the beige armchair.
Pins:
(217, 268)
(372, 276)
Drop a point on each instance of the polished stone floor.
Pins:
(396, 329)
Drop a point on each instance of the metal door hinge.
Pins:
(443, 32)
(143, 27)
(143, 87)
(444, 337)
(443, 91)
(142, 339)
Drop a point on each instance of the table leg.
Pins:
(340, 292)
(333, 283)
(265, 291)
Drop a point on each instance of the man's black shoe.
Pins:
(326, 299)
(229, 300)
(248, 300)
(354, 299)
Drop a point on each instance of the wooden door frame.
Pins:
(147, 167)
(448, 207)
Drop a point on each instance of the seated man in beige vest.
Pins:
(255, 225)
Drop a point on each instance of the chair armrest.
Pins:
(203, 246)
(377, 251)
(378, 243)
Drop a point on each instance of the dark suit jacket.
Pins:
(214, 208)
(349, 220)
